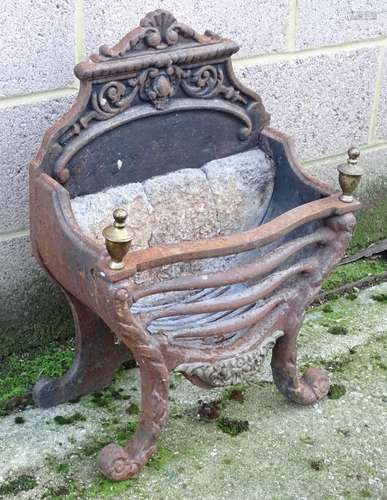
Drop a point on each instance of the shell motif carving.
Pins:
(158, 30)
(233, 370)
(161, 29)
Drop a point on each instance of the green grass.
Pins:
(354, 271)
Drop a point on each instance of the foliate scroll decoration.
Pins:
(158, 30)
(232, 370)
(208, 82)
(111, 99)
(156, 86)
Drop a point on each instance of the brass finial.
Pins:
(349, 175)
(117, 238)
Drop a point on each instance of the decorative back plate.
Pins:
(159, 68)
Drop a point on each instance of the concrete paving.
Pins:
(336, 449)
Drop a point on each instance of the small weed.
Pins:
(19, 420)
(232, 427)
(226, 461)
(316, 464)
(336, 391)
(338, 330)
(71, 419)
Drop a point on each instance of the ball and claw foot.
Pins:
(313, 386)
(117, 464)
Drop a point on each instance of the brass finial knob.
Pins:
(349, 175)
(117, 238)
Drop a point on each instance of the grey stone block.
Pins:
(21, 132)
(258, 27)
(241, 187)
(38, 46)
(94, 212)
(381, 124)
(26, 294)
(330, 22)
(324, 101)
(374, 164)
(226, 196)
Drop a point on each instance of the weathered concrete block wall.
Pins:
(320, 67)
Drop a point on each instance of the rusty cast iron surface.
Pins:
(165, 85)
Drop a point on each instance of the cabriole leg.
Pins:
(97, 358)
(117, 462)
(313, 385)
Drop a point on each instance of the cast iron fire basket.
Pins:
(166, 94)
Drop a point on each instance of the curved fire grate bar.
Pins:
(245, 303)
(227, 304)
(254, 270)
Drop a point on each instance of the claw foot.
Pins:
(314, 386)
(310, 388)
(115, 463)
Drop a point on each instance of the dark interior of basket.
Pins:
(176, 188)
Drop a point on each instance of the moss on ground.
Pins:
(161, 459)
(336, 391)
(232, 426)
(106, 488)
(71, 483)
(18, 373)
(380, 297)
(338, 330)
(236, 393)
(354, 271)
(69, 419)
(12, 487)
(107, 398)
